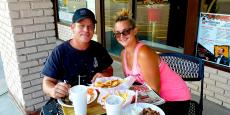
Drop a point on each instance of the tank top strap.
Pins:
(125, 62)
(135, 56)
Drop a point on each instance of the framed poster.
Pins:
(213, 40)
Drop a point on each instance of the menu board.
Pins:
(213, 40)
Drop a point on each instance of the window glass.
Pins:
(152, 21)
(213, 41)
(111, 7)
(153, 18)
(66, 8)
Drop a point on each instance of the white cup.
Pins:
(78, 95)
(113, 105)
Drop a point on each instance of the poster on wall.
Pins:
(213, 42)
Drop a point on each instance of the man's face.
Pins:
(83, 30)
(220, 51)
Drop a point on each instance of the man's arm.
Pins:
(105, 73)
(52, 88)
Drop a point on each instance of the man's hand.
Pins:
(54, 89)
(105, 73)
(60, 90)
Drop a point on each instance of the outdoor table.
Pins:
(93, 108)
(54, 108)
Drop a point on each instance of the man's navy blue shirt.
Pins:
(67, 63)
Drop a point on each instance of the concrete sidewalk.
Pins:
(7, 104)
(9, 107)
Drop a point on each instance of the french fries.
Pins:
(122, 95)
(90, 91)
(105, 97)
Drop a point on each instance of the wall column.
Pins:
(27, 36)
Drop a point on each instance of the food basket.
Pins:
(113, 83)
(67, 110)
(127, 96)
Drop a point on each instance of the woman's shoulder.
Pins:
(146, 50)
(146, 53)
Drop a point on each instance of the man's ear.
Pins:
(72, 26)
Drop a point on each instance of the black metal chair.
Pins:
(190, 68)
(52, 107)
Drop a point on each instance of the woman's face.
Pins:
(124, 32)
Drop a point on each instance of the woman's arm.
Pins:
(149, 61)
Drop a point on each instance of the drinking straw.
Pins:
(136, 93)
(79, 78)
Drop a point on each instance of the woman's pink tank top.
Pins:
(173, 87)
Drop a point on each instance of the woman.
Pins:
(145, 65)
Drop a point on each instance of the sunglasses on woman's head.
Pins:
(125, 32)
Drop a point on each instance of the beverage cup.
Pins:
(113, 105)
(78, 95)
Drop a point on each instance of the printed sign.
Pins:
(213, 40)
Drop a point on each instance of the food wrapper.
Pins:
(113, 83)
(147, 95)
(127, 96)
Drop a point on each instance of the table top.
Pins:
(93, 108)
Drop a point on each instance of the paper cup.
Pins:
(113, 105)
(78, 95)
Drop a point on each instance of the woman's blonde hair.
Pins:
(125, 15)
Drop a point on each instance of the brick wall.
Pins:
(64, 32)
(216, 86)
(8, 51)
(27, 36)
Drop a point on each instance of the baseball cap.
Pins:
(82, 13)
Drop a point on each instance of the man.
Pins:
(221, 59)
(78, 60)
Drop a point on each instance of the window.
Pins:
(110, 9)
(153, 20)
(66, 8)
(63, 10)
(156, 22)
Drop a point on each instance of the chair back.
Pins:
(190, 68)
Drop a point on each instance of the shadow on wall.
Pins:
(3, 85)
(1, 68)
